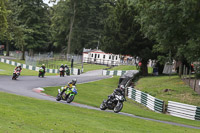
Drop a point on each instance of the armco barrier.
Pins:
(183, 110)
(116, 72)
(72, 71)
(147, 100)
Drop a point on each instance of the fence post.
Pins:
(195, 84)
(189, 76)
(180, 70)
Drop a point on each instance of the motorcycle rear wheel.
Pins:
(58, 97)
(102, 106)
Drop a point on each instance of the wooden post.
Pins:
(195, 83)
(180, 70)
(189, 76)
(186, 72)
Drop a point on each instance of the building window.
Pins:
(104, 56)
(92, 55)
(116, 57)
(98, 55)
(109, 56)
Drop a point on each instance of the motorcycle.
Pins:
(115, 104)
(41, 72)
(67, 71)
(61, 72)
(68, 95)
(16, 74)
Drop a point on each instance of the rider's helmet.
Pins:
(74, 81)
(43, 65)
(61, 64)
(19, 66)
(65, 65)
(122, 87)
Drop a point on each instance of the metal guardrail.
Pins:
(147, 100)
(74, 71)
(183, 110)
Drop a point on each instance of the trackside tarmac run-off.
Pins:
(30, 86)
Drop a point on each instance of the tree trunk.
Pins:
(144, 68)
(7, 49)
(71, 28)
(23, 53)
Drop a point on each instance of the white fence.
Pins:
(147, 100)
(183, 110)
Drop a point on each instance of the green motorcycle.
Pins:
(67, 71)
(68, 95)
(41, 72)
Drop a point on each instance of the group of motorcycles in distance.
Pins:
(62, 71)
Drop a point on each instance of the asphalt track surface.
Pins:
(25, 86)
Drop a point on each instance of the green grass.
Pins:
(180, 92)
(8, 70)
(53, 65)
(93, 94)
(22, 114)
(126, 67)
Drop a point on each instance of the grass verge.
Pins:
(178, 90)
(7, 69)
(22, 114)
(93, 94)
(126, 67)
(87, 67)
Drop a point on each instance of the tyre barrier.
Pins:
(183, 110)
(147, 100)
(73, 71)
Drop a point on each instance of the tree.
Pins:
(122, 34)
(173, 24)
(78, 24)
(3, 18)
(31, 30)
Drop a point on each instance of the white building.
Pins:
(100, 57)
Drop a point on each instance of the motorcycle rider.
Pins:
(118, 91)
(69, 85)
(18, 68)
(67, 68)
(43, 67)
(62, 66)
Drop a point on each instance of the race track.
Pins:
(25, 86)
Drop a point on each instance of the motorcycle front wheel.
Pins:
(118, 107)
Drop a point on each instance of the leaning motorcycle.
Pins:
(115, 104)
(67, 71)
(62, 73)
(41, 72)
(16, 74)
(68, 95)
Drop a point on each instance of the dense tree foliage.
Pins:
(122, 33)
(173, 24)
(3, 18)
(78, 23)
(148, 29)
